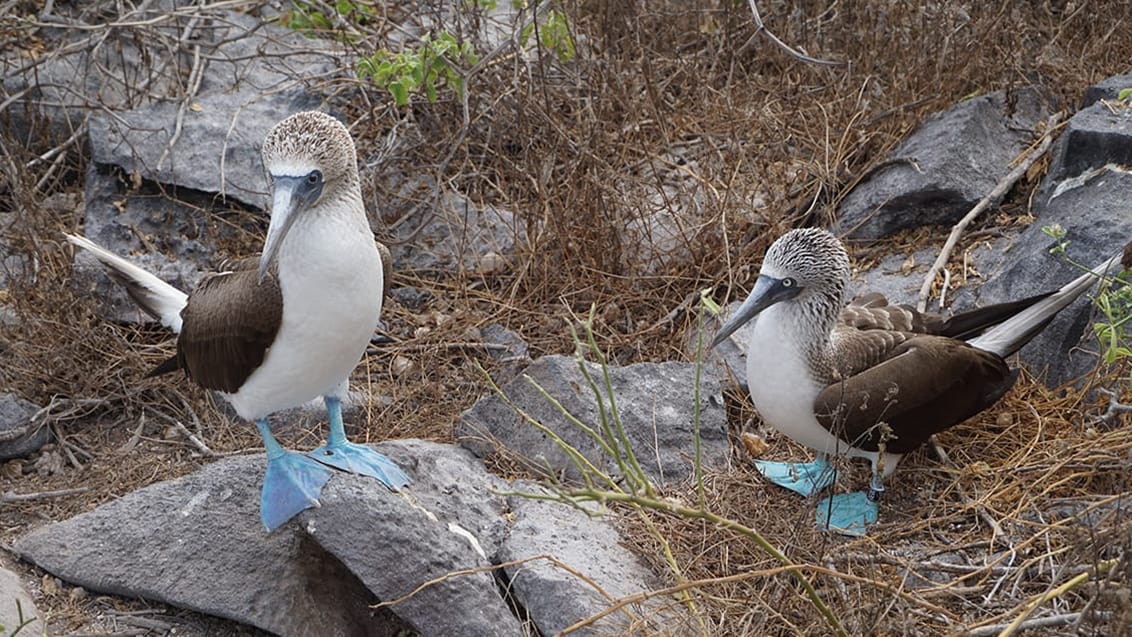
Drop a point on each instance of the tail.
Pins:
(156, 297)
(1009, 336)
(967, 325)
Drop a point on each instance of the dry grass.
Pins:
(669, 105)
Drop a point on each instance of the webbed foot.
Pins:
(361, 460)
(805, 478)
(291, 485)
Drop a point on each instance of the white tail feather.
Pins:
(159, 299)
(1009, 336)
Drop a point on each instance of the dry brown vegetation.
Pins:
(668, 104)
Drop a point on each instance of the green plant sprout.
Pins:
(436, 63)
(1113, 301)
(635, 490)
(553, 35)
(309, 19)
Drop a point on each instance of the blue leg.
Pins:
(292, 482)
(805, 478)
(851, 513)
(360, 459)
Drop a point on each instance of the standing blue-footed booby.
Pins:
(869, 379)
(274, 332)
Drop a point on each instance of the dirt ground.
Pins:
(666, 105)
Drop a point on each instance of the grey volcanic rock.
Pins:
(458, 235)
(1094, 137)
(217, 150)
(556, 597)
(1098, 224)
(19, 436)
(1106, 89)
(16, 607)
(394, 547)
(143, 122)
(454, 485)
(941, 170)
(655, 405)
(146, 222)
(196, 542)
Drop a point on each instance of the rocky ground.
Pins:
(565, 194)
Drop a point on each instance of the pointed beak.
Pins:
(292, 196)
(767, 291)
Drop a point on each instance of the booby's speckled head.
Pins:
(308, 141)
(803, 264)
(309, 158)
(809, 260)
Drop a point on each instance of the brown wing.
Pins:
(918, 386)
(873, 312)
(228, 325)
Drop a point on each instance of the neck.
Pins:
(810, 322)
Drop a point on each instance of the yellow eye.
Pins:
(787, 282)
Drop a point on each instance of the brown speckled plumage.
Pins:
(883, 363)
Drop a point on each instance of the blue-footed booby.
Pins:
(276, 331)
(868, 379)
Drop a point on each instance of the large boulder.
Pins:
(944, 167)
(367, 562)
(653, 400)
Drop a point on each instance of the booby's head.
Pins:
(309, 158)
(802, 264)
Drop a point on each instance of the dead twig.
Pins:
(798, 55)
(10, 497)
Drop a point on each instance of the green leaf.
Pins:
(399, 92)
(1124, 94)
(708, 302)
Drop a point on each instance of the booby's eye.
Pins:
(788, 282)
(315, 177)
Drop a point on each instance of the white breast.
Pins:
(783, 390)
(781, 387)
(331, 279)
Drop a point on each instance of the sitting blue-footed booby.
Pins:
(274, 332)
(869, 379)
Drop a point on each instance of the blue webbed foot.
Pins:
(805, 478)
(359, 459)
(847, 513)
(291, 485)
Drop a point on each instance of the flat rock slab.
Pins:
(654, 400)
(944, 167)
(1094, 137)
(429, 552)
(217, 151)
(247, 79)
(17, 611)
(551, 591)
(197, 543)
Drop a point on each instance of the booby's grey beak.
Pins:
(767, 291)
(291, 197)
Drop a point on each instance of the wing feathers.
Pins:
(924, 385)
(230, 322)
